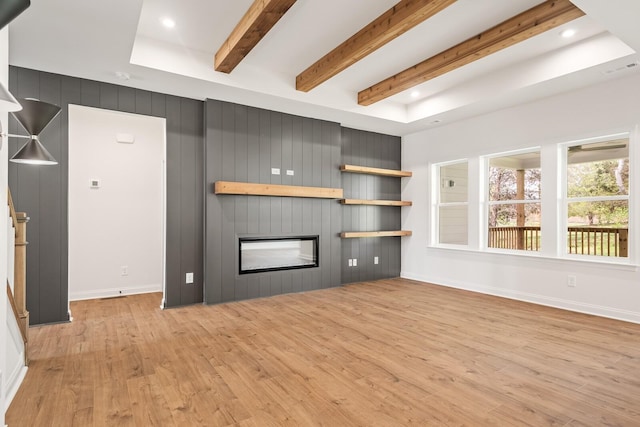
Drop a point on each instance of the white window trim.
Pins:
(564, 199)
(436, 180)
(484, 216)
(554, 222)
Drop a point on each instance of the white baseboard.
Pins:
(109, 293)
(580, 307)
(13, 384)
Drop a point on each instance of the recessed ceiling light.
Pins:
(168, 22)
(415, 94)
(569, 32)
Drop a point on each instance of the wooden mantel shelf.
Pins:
(375, 202)
(254, 189)
(356, 234)
(375, 171)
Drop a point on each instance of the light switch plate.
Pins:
(275, 171)
(189, 278)
(289, 172)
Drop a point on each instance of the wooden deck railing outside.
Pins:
(524, 238)
(602, 241)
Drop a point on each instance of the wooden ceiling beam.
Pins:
(261, 16)
(532, 22)
(405, 15)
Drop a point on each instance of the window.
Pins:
(514, 201)
(597, 197)
(451, 207)
(585, 187)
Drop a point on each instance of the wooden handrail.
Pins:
(12, 210)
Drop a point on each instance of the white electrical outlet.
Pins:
(189, 278)
(275, 171)
(124, 270)
(375, 259)
(355, 262)
(350, 262)
(571, 281)
(289, 172)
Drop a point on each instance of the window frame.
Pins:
(487, 203)
(436, 204)
(565, 200)
(553, 185)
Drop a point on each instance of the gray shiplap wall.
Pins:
(380, 151)
(243, 144)
(42, 191)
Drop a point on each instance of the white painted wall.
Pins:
(12, 369)
(4, 74)
(119, 224)
(604, 289)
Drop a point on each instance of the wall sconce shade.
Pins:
(9, 9)
(7, 101)
(34, 153)
(34, 117)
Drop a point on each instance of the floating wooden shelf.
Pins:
(375, 202)
(355, 234)
(253, 189)
(374, 171)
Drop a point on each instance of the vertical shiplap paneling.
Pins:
(53, 295)
(189, 215)
(199, 190)
(26, 196)
(174, 221)
(266, 140)
(241, 289)
(142, 102)
(264, 149)
(373, 150)
(70, 93)
(127, 100)
(43, 192)
(90, 91)
(213, 171)
(286, 162)
(227, 230)
(275, 228)
(108, 96)
(297, 166)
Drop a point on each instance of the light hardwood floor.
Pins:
(385, 353)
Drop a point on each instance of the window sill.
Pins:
(586, 259)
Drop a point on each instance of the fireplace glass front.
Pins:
(259, 254)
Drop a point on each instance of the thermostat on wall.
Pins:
(95, 183)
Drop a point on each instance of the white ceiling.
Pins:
(94, 40)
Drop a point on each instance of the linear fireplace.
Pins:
(258, 254)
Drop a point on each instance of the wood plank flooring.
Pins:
(384, 353)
